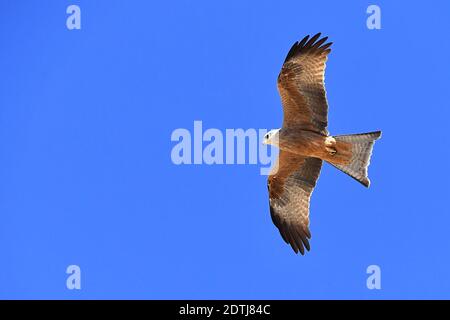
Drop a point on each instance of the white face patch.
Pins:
(272, 137)
(330, 141)
(267, 138)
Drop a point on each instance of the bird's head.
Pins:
(272, 137)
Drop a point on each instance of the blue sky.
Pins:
(86, 176)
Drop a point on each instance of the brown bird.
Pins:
(304, 142)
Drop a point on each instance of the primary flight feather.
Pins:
(304, 141)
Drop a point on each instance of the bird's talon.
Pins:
(331, 151)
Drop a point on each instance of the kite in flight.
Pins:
(304, 142)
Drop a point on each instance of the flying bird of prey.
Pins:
(304, 142)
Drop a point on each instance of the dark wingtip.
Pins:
(307, 246)
(317, 35)
(310, 44)
(303, 41)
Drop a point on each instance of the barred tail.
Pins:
(361, 146)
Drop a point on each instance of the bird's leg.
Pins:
(330, 142)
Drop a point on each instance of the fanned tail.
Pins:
(361, 146)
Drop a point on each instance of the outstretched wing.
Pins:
(301, 85)
(290, 186)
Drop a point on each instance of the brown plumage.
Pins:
(304, 141)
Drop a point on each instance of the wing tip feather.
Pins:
(314, 44)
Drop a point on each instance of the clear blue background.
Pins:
(86, 176)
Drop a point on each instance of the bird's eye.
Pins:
(266, 136)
